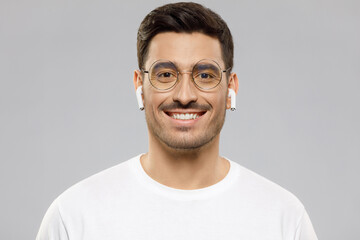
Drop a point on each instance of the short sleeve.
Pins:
(52, 226)
(305, 230)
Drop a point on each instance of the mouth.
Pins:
(188, 115)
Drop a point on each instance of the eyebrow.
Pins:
(164, 65)
(176, 64)
(208, 66)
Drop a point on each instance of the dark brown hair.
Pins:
(184, 17)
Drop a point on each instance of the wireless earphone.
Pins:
(232, 95)
(139, 98)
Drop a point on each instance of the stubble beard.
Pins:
(182, 139)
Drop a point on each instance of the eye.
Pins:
(205, 75)
(165, 75)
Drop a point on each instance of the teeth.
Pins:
(186, 116)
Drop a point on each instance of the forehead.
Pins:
(184, 49)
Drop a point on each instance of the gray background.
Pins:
(68, 108)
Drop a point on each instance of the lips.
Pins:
(188, 115)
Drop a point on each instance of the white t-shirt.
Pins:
(123, 202)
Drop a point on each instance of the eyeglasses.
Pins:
(206, 74)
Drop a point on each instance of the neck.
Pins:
(185, 169)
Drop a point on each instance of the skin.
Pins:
(185, 154)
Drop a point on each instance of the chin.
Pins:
(186, 143)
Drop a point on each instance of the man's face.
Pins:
(164, 108)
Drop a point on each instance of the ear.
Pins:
(138, 82)
(234, 85)
(137, 79)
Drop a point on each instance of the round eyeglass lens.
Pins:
(163, 74)
(206, 74)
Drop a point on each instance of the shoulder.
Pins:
(265, 192)
(83, 200)
(267, 201)
(98, 186)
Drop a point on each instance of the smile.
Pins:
(185, 116)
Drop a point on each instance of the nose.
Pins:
(185, 90)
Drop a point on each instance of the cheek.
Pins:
(218, 100)
(152, 100)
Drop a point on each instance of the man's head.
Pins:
(187, 115)
(184, 17)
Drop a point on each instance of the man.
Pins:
(181, 188)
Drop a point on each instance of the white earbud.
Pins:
(232, 95)
(139, 98)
